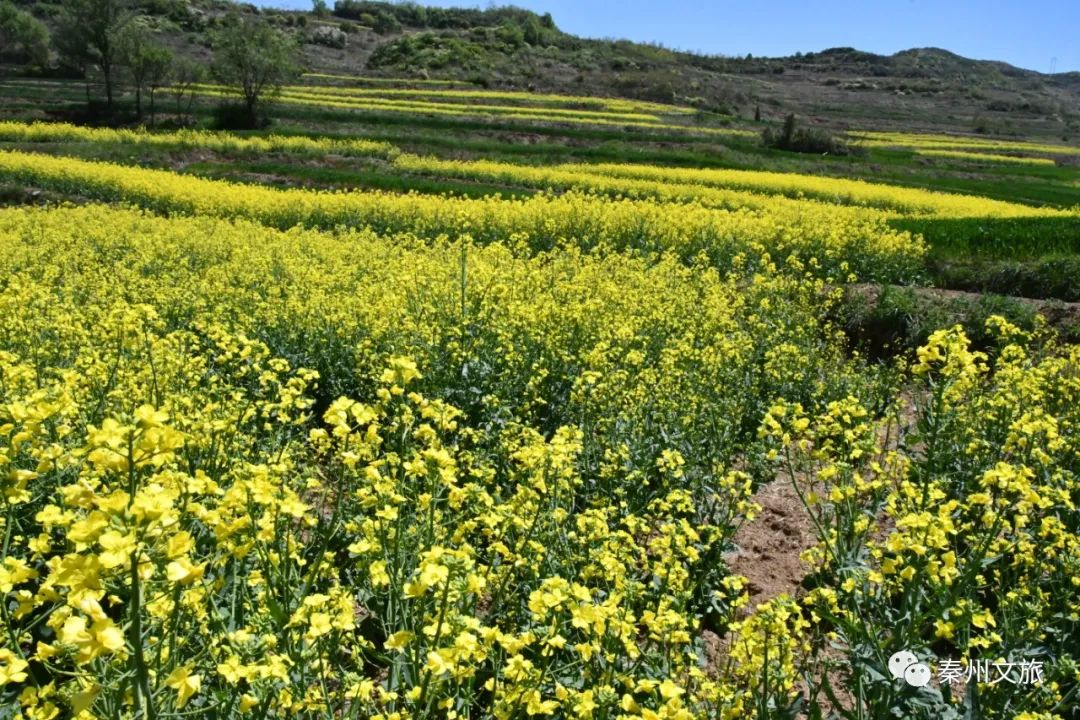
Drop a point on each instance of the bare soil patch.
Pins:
(770, 545)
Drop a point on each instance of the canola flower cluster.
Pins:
(41, 132)
(821, 239)
(955, 535)
(265, 473)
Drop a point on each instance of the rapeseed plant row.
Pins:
(305, 95)
(930, 141)
(721, 188)
(726, 188)
(39, 132)
(985, 157)
(314, 96)
(830, 242)
(598, 179)
(570, 102)
(950, 223)
(263, 473)
(465, 105)
(679, 183)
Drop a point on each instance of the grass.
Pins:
(887, 321)
(996, 238)
(1049, 277)
(372, 177)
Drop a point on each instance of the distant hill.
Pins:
(507, 47)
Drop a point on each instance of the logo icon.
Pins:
(905, 666)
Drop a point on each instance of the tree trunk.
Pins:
(107, 72)
(138, 102)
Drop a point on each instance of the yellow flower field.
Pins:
(316, 96)
(470, 96)
(637, 116)
(224, 528)
(280, 473)
(667, 181)
(297, 454)
(39, 132)
(984, 157)
(838, 240)
(721, 188)
(928, 141)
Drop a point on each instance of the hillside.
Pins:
(510, 48)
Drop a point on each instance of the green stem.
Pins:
(141, 673)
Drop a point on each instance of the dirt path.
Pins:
(769, 546)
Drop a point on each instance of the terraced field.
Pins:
(435, 401)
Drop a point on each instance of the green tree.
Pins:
(535, 33)
(88, 34)
(386, 23)
(253, 59)
(511, 34)
(185, 75)
(159, 74)
(22, 36)
(146, 59)
(320, 8)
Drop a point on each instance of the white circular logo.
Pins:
(917, 675)
(900, 661)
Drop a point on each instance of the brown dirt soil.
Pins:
(768, 556)
(770, 545)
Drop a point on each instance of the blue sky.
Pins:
(1028, 34)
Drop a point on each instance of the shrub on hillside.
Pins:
(793, 138)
